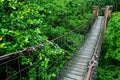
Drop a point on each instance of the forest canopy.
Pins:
(26, 23)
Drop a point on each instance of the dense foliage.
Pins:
(113, 36)
(20, 20)
(25, 23)
(109, 68)
(103, 3)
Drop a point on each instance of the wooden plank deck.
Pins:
(77, 67)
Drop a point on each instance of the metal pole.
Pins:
(19, 66)
(6, 71)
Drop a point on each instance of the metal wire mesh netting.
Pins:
(42, 61)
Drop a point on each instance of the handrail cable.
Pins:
(29, 49)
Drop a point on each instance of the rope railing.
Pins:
(94, 60)
(5, 60)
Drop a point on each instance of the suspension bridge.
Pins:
(81, 66)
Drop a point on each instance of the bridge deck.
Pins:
(78, 65)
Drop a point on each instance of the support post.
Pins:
(108, 13)
(95, 12)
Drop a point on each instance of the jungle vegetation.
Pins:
(26, 23)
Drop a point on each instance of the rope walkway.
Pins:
(83, 64)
